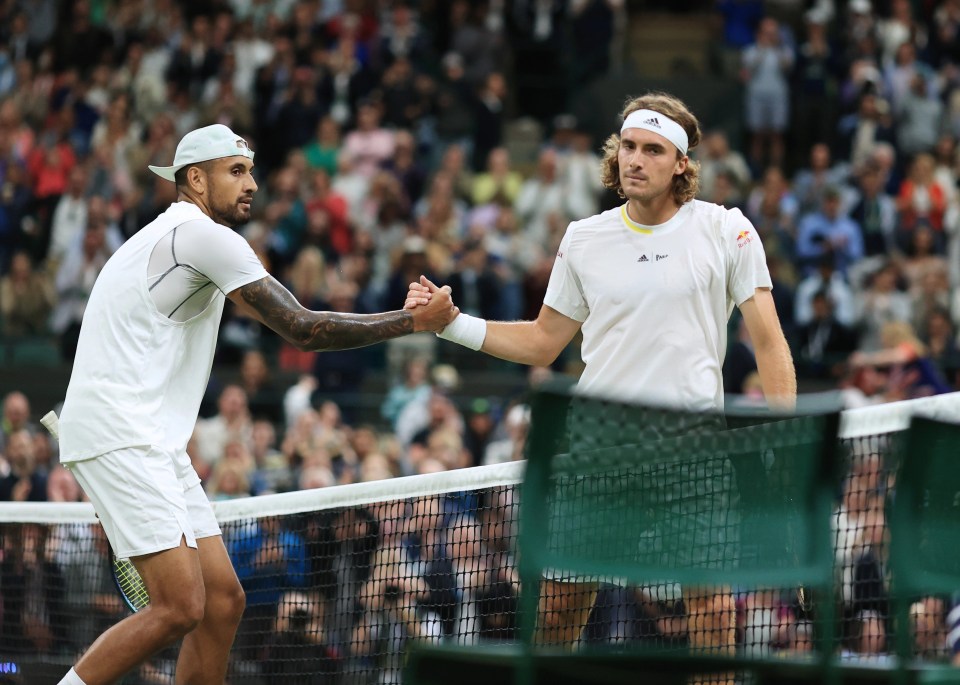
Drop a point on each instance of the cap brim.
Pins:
(166, 172)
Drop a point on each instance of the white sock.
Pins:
(71, 679)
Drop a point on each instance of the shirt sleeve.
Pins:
(746, 260)
(218, 253)
(564, 291)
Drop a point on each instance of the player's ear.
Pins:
(197, 179)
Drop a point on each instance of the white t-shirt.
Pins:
(139, 375)
(655, 300)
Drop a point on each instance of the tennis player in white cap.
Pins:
(143, 361)
(651, 285)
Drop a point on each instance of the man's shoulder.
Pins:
(717, 218)
(606, 218)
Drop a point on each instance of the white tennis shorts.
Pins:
(147, 501)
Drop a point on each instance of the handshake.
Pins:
(432, 307)
(433, 310)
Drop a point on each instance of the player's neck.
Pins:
(194, 200)
(653, 212)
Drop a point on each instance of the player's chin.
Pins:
(242, 213)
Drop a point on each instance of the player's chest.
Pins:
(667, 268)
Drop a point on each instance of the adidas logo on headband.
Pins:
(651, 121)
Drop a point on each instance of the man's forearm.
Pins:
(321, 331)
(777, 374)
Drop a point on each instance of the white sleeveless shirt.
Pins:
(139, 375)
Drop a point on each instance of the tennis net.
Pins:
(341, 581)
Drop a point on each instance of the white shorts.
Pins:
(146, 501)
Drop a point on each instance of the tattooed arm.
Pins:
(274, 306)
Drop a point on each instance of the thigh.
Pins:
(139, 498)
(216, 567)
(173, 577)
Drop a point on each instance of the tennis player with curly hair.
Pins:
(651, 284)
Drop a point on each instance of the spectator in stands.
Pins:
(414, 386)
(826, 278)
(516, 423)
(48, 167)
(875, 212)
(74, 282)
(927, 277)
(829, 234)
(231, 423)
(860, 534)
(489, 118)
(393, 613)
(370, 144)
(476, 282)
(322, 151)
(928, 626)
(541, 196)
(882, 301)
(297, 648)
(922, 201)
(26, 299)
(406, 167)
(939, 335)
(811, 184)
(228, 480)
(25, 482)
(91, 603)
(30, 578)
(717, 157)
(269, 560)
(478, 429)
(263, 397)
(859, 131)
(272, 472)
(16, 416)
(899, 72)
(766, 66)
(867, 639)
(453, 164)
(823, 342)
(920, 117)
(900, 347)
(772, 207)
(499, 183)
(69, 216)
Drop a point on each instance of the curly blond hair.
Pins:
(686, 185)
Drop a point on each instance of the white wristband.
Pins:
(465, 330)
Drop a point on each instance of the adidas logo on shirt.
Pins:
(643, 258)
(653, 121)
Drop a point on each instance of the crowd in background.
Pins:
(396, 138)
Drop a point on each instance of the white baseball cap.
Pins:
(203, 144)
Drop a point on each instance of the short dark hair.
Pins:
(180, 177)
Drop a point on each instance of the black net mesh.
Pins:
(339, 595)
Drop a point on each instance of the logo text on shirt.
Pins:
(643, 258)
(662, 256)
(744, 238)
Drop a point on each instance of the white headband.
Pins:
(656, 122)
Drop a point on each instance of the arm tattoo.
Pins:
(324, 331)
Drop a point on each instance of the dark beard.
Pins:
(229, 215)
